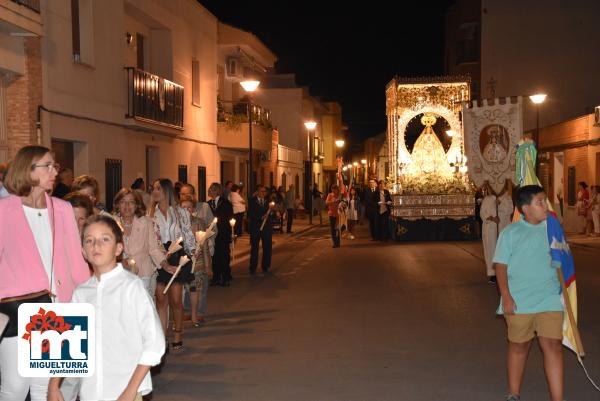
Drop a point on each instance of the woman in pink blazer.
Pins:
(40, 249)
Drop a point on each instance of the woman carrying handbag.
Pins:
(173, 223)
(40, 257)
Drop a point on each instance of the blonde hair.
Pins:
(18, 179)
(84, 181)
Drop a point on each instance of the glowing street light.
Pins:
(363, 161)
(339, 143)
(538, 98)
(250, 86)
(310, 127)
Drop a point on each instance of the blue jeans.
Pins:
(335, 233)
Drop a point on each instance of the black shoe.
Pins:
(336, 246)
(492, 280)
(267, 272)
(253, 272)
(225, 284)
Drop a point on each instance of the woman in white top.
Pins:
(239, 208)
(40, 252)
(143, 252)
(595, 206)
(173, 223)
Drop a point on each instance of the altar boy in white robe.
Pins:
(489, 231)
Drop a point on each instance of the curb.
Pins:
(585, 246)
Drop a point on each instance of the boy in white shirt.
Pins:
(129, 337)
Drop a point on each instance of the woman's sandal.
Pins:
(177, 345)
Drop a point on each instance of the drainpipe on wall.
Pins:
(38, 125)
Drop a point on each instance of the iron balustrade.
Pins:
(151, 98)
(30, 4)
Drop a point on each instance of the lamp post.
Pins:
(537, 99)
(366, 174)
(310, 126)
(339, 144)
(250, 86)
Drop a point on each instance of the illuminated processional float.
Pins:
(461, 145)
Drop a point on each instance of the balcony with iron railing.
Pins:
(30, 4)
(153, 99)
(233, 127)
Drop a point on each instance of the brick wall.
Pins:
(23, 95)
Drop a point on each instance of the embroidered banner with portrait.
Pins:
(492, 130)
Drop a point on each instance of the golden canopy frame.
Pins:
(409, 97)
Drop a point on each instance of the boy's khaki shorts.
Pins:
(522, 327)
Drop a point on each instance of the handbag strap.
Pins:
(52, 227)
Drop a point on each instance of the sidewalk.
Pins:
(299, 227)
(583, 241)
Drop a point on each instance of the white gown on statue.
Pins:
(489, 232)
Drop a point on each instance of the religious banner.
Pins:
(492, 130)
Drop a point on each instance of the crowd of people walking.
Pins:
(58, 243)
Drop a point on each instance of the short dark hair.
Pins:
(138, 184)
(78, 200)
(525, 194)
(583, 184)
(140, 208)
(235, 188)
(110, 223)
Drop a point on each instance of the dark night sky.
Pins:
(347, 53)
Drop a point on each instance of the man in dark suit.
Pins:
(371, 198)
(223, 211)
(383, 201)
(258, 209)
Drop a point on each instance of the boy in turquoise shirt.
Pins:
(530, 293)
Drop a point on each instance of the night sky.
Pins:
(347, 53)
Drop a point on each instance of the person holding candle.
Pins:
(239, 208)
(143, 251)
(205, 248)
(260, 216)
(223, 211)
(40, 257)
(129, 337)
(333, 200)
(174, 227)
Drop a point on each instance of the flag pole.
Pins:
(570, 315)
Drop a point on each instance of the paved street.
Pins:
(366, 322)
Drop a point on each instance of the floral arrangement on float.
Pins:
(434, 184)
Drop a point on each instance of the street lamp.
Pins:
(310, 126)
(366, 173)
(537, 99)
(250, 86)
(339, 143)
